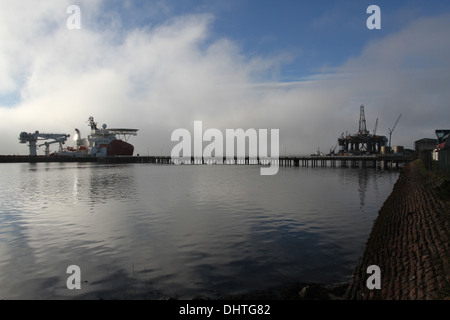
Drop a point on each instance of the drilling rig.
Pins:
(362, 142)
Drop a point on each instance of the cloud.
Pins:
(162, 77)
(155, 79)
(407, 72)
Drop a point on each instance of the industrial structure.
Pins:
(100, 143)
(33, 138)
(363, 142)
(425, 144)
(443, 142)
(442, 151)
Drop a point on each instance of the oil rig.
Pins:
(363, 142)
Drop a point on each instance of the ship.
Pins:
(317, 153)
(101, 142)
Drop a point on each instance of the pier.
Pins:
(378, 161)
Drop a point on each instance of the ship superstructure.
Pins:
(104, 142)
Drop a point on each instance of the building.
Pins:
(442, 151)
(425, 144)
(443, 143)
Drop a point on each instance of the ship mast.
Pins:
(92, 123)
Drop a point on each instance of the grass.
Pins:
(441, 179)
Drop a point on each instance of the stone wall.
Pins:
(409, 242)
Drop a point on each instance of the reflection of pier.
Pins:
(378, 161)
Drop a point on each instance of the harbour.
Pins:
(381, 161)
(153, 231)
(105, 145)
(205, 151)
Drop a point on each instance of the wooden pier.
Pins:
(378, 161)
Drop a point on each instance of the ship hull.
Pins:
(119, 148)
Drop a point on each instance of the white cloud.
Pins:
(161, 78)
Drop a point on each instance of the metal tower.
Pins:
(362, 122)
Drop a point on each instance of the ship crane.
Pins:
(47, 146)
(32, 139)
(333, 149)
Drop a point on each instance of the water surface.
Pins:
(146, 230)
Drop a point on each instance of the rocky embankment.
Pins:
(409, 241)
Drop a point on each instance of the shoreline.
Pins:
(409, 241)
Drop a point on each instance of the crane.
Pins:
(392, 130)
(375, 129)
(333, 149)
(47, 146)
(32, 138)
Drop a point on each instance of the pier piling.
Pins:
(379, 161)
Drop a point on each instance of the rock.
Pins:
(302, 293)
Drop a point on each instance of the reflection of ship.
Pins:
(100, 143)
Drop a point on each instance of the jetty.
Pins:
(363, 161)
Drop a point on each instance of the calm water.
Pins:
(145, 230)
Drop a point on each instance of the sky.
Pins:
(303, 67)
